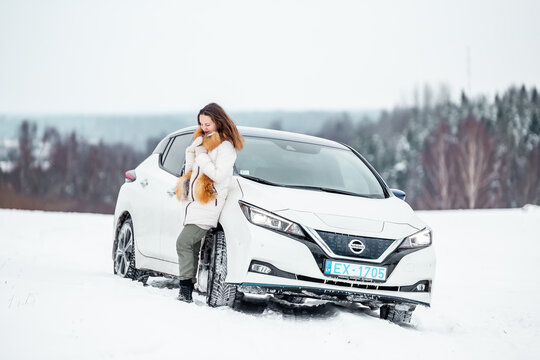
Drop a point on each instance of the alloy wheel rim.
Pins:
(124, 249)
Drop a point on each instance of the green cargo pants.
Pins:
(188, 246)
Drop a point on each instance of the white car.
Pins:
(305, 217)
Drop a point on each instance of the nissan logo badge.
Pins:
(357, 246)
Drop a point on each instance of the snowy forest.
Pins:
(476, 153)
(473, 153)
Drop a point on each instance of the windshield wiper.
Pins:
(259, 180)
(330, 190)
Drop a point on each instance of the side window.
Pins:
(174, 157)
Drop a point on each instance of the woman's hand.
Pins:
(200, 150)
(223, 165)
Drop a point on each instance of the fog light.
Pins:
(420, 287)
(261, 269)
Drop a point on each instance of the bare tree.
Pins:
(27, 135)
(476, 170)
(72, 155)
(439, 169)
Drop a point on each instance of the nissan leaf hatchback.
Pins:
(305, 217)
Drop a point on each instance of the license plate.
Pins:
(354, 270)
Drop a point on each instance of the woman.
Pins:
(204, 187)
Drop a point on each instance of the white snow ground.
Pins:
(60, 300)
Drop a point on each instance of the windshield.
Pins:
(303, 165)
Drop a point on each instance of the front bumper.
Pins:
(257, 285)
(298, 271)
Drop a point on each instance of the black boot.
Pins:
(186, 289)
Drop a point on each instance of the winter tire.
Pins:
(218, 292)
(124, 252)
(395, 314)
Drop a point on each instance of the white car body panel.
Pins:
(172, 218)
(334, 210)
(146, 219)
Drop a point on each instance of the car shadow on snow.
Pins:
(269, 305)
(164, 283)
(311, 309)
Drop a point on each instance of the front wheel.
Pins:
(124, 251)
(399, 313)
(218, 292)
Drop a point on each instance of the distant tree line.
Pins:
(474, 153)
(72, 175)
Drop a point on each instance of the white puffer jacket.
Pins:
(208, 175)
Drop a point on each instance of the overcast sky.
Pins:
(165, 56)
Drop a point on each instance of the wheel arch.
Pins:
(237, 237)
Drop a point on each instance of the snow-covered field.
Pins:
(60, 300)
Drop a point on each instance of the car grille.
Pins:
(339, 244)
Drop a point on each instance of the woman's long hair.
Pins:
(226, 128)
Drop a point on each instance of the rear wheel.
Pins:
(218, 292)
(124, 253)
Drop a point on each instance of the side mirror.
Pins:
(399, 193)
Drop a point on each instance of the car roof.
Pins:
(274, 134)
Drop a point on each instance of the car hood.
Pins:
(388, 218)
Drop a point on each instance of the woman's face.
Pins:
(208, 126)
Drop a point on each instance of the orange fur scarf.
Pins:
(204, 186)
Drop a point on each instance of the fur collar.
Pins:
(209, 142)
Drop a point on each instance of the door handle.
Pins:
(171, 192)
(144, 183)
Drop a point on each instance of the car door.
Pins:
(172, 214)
(146, 213)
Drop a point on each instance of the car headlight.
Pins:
(270, 221)
(421, 238)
